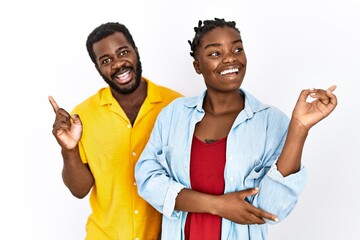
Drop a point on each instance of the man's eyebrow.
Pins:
(117, 51)
(103, 56)
(121, 48)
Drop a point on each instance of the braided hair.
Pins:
(103, 31)
(206, 26)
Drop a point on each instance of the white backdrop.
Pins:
(290, 45)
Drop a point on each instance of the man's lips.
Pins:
(123, 75)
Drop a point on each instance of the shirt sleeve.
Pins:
(153, 175)
(278, 195)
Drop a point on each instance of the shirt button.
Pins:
(136, 211)
(230, 158)
(231, 179)
(137, 238)
(133, 153)
(134, 183)
(128, 126)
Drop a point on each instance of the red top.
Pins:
(207, 164)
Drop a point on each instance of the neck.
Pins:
(223, 103)
(132, 102)
(132, 98)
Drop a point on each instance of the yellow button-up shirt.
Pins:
(111, 146)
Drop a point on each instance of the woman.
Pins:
(221, 165)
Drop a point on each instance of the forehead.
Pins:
(220, 35)
(110, 44)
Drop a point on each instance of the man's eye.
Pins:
(123, 53)
(106, 61)
(214, 54)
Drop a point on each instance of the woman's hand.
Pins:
(310, 113)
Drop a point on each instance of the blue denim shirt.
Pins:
(254, 144)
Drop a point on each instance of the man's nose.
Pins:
(117, 63)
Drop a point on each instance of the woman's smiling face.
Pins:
(221, 59)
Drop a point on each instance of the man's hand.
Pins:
(66, 129)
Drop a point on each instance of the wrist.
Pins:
(215, 205)
(298, 128)
(69, 154)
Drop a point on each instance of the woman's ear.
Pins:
(196, 67)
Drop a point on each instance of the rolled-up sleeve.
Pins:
(278, 195)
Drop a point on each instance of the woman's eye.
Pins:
(239, 50)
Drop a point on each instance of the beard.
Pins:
(128, 89)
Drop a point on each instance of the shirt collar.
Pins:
(252, 105)
(153, 94)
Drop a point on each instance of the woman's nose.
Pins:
(229, 58)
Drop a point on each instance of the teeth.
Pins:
(234, 70)
(122, 74)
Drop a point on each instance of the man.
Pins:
(103, 137)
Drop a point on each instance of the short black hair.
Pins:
(205, 27)
(103, 31)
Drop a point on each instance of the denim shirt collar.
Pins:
(252, 105)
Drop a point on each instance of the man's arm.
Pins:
(68, 130)
(76, 175)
